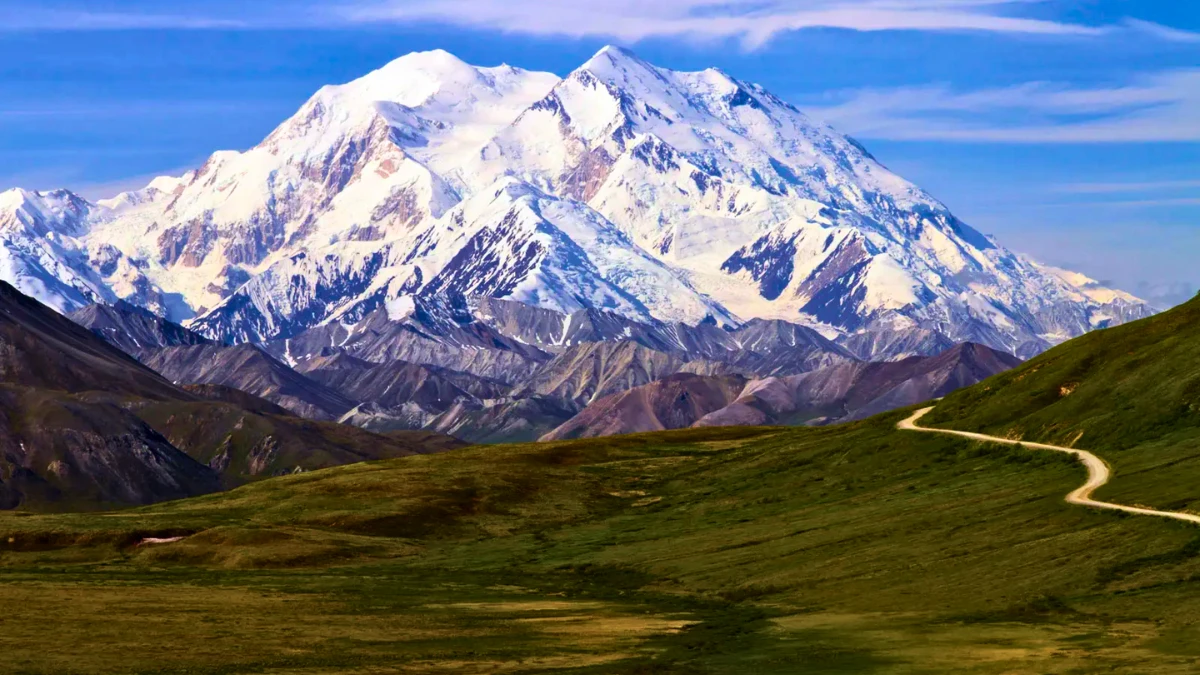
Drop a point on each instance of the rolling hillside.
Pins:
(1131, 394)
(848, 549)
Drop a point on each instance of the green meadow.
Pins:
(851, 549)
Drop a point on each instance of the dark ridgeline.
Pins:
(85, 425)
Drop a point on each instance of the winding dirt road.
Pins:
(1098, 471)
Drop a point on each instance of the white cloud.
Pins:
(1163, 32)
(35, 19)
(1162, 107)
(1142, 203)
(753, 21)
(151, 109)
(1131, 187)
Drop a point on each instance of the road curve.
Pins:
(1098, 471)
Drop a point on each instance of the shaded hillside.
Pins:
(133, 329)
(674, 402)
(395, 383)
(584, 373)
(775, 348)
(860, 390)
(85, 426)
(890, 344)
(65, 437)
(510, 421)
(239, 398)
(68, 452)
(839, 393)
(251, 370)
(42, 349)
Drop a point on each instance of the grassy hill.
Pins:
(1131, 394)
(853, 549)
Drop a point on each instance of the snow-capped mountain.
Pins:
(39, 252)
(649, 193)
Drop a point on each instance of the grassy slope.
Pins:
(1131, 394)
(852, 549)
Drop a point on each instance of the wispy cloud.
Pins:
(1128, 188)
(153, 109)
(1165, 294)
(1161, 107)
(753, 21)
(37, 19)
(1163, 32)
(1143, 203)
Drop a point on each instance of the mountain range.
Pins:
(845, 392)
(500, 371)
(665, 198)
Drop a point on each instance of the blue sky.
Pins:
(1070, 129)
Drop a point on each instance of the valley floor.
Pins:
(851, 549)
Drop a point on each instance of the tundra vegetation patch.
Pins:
(851, 549)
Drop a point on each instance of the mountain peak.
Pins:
(61, 210)
(414, 78)
(615, 52)
(614, 59)
(13, 198)
(18, 197)
(436, 60)
(433, 55)
(625, 187)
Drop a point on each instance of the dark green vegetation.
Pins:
(853, 549)
(1131, 394)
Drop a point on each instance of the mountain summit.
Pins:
(624, 187)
